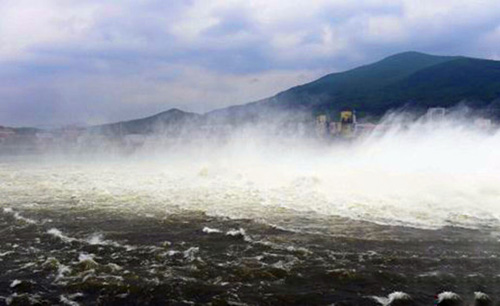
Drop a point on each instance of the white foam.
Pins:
(209, 230)
(58, 234)
(426, 175)
(447, 295)
(67, 301)
(18, 216)
(478, 295)
(15, 283)
(172, 253)
(114, 267)
(85, 256)
(236, 232)
(62, 271)
(96, 239)
(394, 296)
(6, 253)
(33, 299)
(190, 254)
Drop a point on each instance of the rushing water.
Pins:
(258, 220)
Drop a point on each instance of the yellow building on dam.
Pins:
(344, 128)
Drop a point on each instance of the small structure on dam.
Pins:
(344, 128)
(347, 126)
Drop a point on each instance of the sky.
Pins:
(66, 62)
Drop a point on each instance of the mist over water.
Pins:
(410, 172)
(259, 215)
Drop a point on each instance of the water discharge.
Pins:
(423, 174)
(415, 205)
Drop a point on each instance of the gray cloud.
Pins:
(93, 61)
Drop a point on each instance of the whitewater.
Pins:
(426, 174)
(409, 210)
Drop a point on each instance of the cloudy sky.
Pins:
(95, 61)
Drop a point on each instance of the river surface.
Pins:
(246, 226)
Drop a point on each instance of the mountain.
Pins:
(411, 79)
(169, 121)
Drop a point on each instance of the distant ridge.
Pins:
(168, 120)
(410, 79)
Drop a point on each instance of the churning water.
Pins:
(257, 220)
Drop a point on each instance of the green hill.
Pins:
(409, 79)
(172, 121)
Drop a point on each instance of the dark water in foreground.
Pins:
(106, 257)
